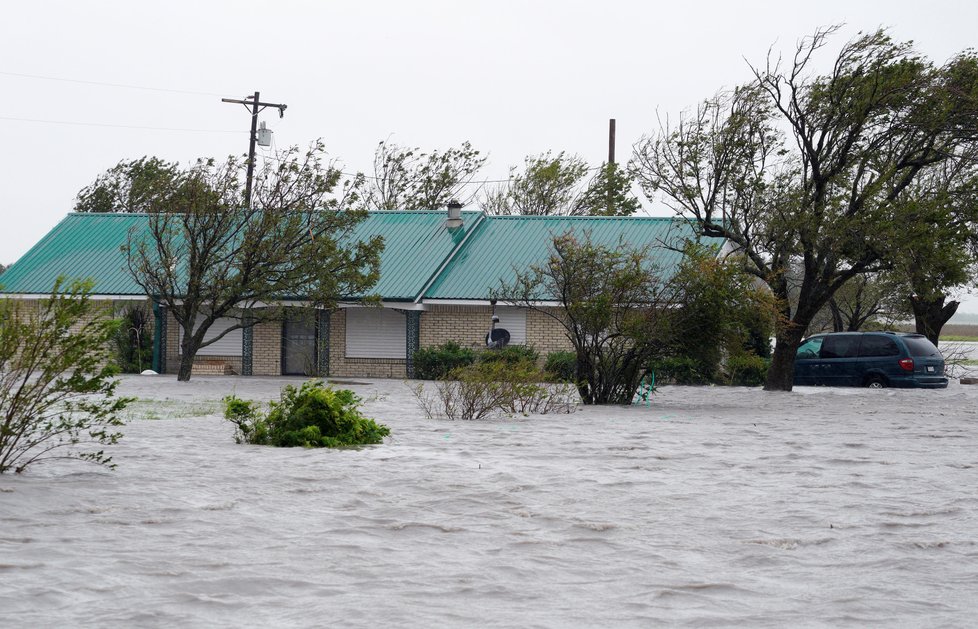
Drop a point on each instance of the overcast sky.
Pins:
(513, 78)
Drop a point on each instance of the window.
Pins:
(878, 346)
(810, 348)
(513, 320)
(228, 345)
(919, 346)
(840, 346)
(375, 333)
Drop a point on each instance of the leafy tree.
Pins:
(206, 255)
(941, 252)
(408, 179)
(128, 187)
(56, 385)
(552, 185)
(134, 340)
(610, 309)
(718, 308)
(823, 196)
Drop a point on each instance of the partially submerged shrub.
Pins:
(312, 416)
(562, 366)
(511, 355)
(678, 370)
(56, 381)
(493, 388)
(436, 362)
(747, 370)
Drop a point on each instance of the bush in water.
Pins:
(435, 362)
(562, 366)
(511, 355)
(496, 387)
(747, 370)
(312, 416)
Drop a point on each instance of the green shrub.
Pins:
(747, 370)
(562, 366)
(511, 355)
(436, 362)
(678, 370)
(312, 416)
(486, 389)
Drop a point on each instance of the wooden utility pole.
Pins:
(253, 105)
(611, 141)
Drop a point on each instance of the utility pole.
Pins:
(611, 141)
(253, 105)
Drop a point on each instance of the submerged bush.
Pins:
(312, 416)
(747, 370)
(493, 388)
(511, 355)
(436, 362)
(562, 366)
(678, 370)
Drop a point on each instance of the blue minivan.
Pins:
(869, 359)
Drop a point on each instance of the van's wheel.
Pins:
(876, 383)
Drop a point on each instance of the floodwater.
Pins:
(711, 507)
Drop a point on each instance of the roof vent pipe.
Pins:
(454, 214)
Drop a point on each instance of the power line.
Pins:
(116, 126)
(103, 84)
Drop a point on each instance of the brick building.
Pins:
(436, 276)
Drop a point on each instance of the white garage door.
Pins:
(513, 320)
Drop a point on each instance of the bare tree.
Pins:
(207, 256)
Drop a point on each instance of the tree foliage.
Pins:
(409, 179)
(802, 169)
(558, 185)
(611, 306)
(128, 187)
(206, 255)
(56, 385)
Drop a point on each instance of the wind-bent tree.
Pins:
(57, 391)
(610, 310)
(859, 301)
(128, 187)
(205, 255)
(558, 185)
(822, 195)
(942, 253)
(408, 179)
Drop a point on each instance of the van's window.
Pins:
(842, 346)
(878, 346)
(920, 346)
(810, 348)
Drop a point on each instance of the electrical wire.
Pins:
(104, 84)
(117, 126)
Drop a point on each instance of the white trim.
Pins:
(389, 305)
(93, 297)
(486, 302)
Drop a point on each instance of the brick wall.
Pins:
(266, 355)
(467, 326)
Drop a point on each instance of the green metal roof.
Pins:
(504, 243)
(81, 246)
(88, 246)
(462, 263)
(416, 244)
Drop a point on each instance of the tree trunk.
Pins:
(781, 375)
(186, 366)
(931, 315)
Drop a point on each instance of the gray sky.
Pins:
(513, 78)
